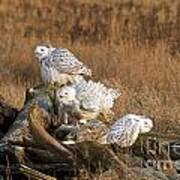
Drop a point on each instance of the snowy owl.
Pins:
(91, 99)
(59, 65)
(67, 104)
(126, 130)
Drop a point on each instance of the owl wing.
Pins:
(96, 94)
(123, 132)
(65, 62)
(90, 104)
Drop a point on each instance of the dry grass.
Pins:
(124, 43)
(133, 46)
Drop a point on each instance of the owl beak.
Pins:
(37, 54)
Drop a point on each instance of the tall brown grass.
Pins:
(133, 45)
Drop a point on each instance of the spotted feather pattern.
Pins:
(60, 65)
(95, 95)
(126, 130)
(65, 62)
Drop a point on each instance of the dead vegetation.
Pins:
(133, 45)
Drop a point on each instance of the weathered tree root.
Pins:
(36, 120)
(34, 174)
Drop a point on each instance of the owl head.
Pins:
(42, 51)
(145, 124)
(66, 94)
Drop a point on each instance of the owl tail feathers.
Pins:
(34, 174)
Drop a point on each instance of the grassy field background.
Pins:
(133, 45)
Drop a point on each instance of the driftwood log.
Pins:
(30, 139)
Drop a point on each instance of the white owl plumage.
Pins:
(92, 98)
(91, 93)
(126, 130)
(87, 99)
(59, 65)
